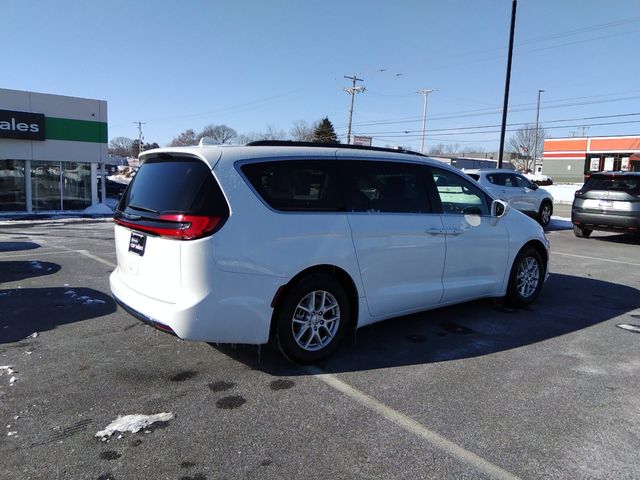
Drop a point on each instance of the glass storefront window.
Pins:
(45, 186)
(76, 185)
(12, 186)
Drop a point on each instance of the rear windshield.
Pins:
(629, 184)
(177, 185)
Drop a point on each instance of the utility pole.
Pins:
(424, 92)
(352, 91)
(139, 138)
(507, 82)
(535, 141)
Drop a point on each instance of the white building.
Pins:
(51, 150)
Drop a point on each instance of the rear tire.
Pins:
(581, 232)
(544, 215)
(312, 319)
(527, 276)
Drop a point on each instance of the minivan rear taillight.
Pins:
(179, 226)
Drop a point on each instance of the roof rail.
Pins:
(290, 143)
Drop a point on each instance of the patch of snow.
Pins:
(537, 177)
(28, 352)
(9, 371)
(133, 423)
(99, 209)
(33, 335)
(11, 434)
(563, 193)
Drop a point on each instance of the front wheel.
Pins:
(312, 319)
(526, 279)
(544, 215)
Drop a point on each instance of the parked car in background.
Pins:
(302, 243)
(520, 192)
(609, 202)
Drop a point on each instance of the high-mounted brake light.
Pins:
(179, 226)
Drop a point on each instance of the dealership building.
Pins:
(573, 159)
(52, 150)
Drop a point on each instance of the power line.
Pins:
(484, 112)
(580, 125)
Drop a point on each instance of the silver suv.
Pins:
(607, 201)
(516, 189)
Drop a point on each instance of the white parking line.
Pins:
(414, 427)
(97, 259)
(595, 258)
(35, 253)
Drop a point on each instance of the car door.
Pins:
(529, 199)
(398, 239)
(477, 243)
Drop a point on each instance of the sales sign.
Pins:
(21, 125)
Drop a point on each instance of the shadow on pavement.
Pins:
(566, 304)
(17, 246)
(14, 270)
(28, 310)
(625, 239)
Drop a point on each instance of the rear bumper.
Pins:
(222, 316)
(597, 220)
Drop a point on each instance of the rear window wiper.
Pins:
(143, 209)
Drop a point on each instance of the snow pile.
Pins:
(563, 193)
(133, 423)
(9, 371)
(99, 209)
(538, 177)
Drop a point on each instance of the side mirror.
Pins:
(498, 208)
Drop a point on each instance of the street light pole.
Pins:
(535, 141)
(424, 92)
(514, 5)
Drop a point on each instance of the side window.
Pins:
(496, 178)
(458, 195)
(297, 185)
(372, 186)
(509, 180)
(522, 182)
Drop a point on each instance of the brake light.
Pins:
(179, 226)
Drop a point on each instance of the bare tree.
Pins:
(523, 142)
(220, 133)
(301, 131)
(120, 147)
(272, 133)
(185, 139)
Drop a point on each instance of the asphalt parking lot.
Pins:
(465, 392)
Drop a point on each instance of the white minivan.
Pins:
(301, 243)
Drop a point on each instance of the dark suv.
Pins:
(607, 201)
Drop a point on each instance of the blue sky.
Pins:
(253, 64)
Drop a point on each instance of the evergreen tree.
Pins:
(324, 132)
